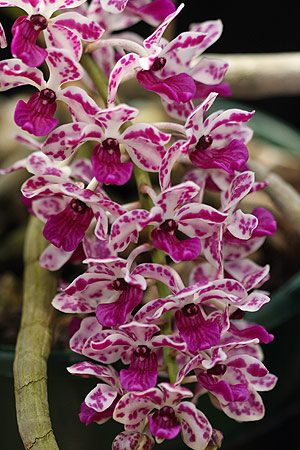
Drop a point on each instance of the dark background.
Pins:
(252, 27)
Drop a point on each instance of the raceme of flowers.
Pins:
(186, 332)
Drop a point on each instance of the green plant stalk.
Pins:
(98, 77)
(142, 178)
(34, 344)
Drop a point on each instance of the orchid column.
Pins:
(187, 332)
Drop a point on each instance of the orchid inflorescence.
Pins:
(192, 332)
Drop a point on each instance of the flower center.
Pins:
(170, 226)
(167, 413)
(78, 206)
(158, 64)
(110, 144)
(120, 284)
(190, 310)
(142, 351)
(48, 95)
(39, 22)
(204, 142)
(218, 369)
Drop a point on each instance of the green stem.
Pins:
(99, 79)
(33, 345)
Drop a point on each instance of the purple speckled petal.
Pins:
(242, 225)
(202, 272)
(163, 427)
(172, 341)
(196, 429)
(250, 274)
(51, 6)
(142, 373)
(62, 68)
(124, 229)
(230, 158)
(96, 248)
(237, 248)
(67, 228)
(167, 163)
(199, 220)
(266, 223)
(111, 119)
(88, 415)
(84, 27)
(155, 308)
(185, 250)
(13, 72)
(213, 30)
(226, 117)
(101, 397)
(89, 369)
(203, 90)
(170, 199)
(184, 41)
(74, 304)
(140, 332)
(198, 333)
(166, 274)
(133, 407)
(178, 88)
(89, 328)
(60, 37)
(248, 331)
(254, 301)
(132, 440)
(194, 123)
(40, 164)
(3, 41)
(123, 67)
(246, 411)
(82, 107)
(178, 111)
(27, 5)
(44, 207)
(155, 37)
(116, 313)
(145, 145)
(108, 168)
(209, 71)
(82, 168)
(153, 12)
(64, 141)
(238, 189)
(114, 7)
(35, 116)
(23, 44)
(53, 258)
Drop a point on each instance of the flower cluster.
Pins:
(190, 331)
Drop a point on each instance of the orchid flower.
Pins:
(36, 116)
(64, 31)
(171, 212)
(234, 379)
(167, 415)
(143, 142)
(99, 404)
(111, 289)
(134, 343)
